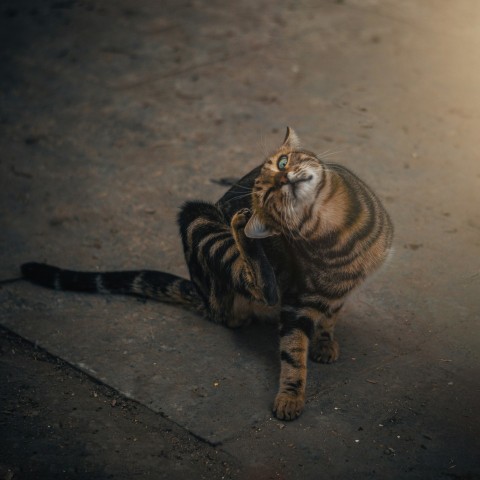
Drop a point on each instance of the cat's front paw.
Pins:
(325, 352)
(240, 219)
(288, 407)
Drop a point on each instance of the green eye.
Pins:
(282, 162)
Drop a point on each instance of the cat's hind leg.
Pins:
(257, 269)
(222, 264)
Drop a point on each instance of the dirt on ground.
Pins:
(58, 423)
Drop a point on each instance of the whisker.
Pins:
(238, 197)
(241, 186)
(242, 195)
(329, 153)
(333, 166)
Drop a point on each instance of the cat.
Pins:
(287, 243)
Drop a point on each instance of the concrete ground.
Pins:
(113, 113)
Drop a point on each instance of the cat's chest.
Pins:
(310, 274)
(308, 277)
(298, 270)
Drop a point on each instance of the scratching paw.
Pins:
(288, 407)
(240, 219)
(325, 352)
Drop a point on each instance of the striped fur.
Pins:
(160, 286)
(335, 232)
(288, 242)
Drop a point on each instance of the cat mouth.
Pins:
(292, 184)
(295, 182)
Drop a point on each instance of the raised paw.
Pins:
(288, 407)
(240, 219)
(325, 352)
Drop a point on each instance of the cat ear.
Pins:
(255, 228)
(291, 139)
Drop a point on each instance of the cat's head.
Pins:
(288, 184)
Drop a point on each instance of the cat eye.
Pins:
(282, 162)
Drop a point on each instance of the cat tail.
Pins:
(160, 286)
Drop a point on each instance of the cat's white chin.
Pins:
(303, 189)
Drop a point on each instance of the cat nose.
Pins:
(283, 180)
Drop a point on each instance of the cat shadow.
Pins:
(362, 341)
(259, 339)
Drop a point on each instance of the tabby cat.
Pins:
(288, 242)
